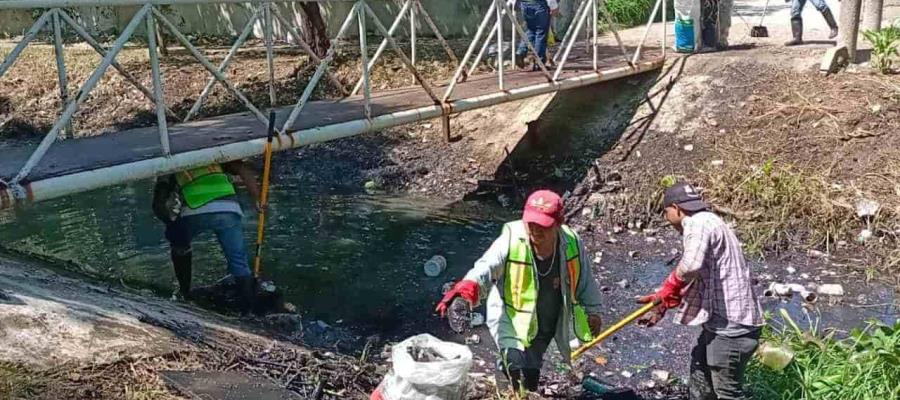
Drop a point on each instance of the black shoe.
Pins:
(520, 61)
(246, 287)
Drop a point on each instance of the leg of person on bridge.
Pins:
(797, 20)
(822, 6)
(796, 23)
(537, 23)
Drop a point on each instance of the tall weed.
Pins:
(863, 366)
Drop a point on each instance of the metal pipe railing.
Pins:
(572, 40)
(499, 26)
(383, 45)
(270, 55)
(208, 65)
(245, 33)
(157, 87)
(409, 65)
(320, 69)
(364, 55)
(100, 50)
(59, 52)
(11, 58)
(462, 65)
(637, 52)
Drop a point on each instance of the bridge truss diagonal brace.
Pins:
(245, 33)
(11, 58)
(208, 65)
(421, 80)
(83, 93)
(383, 45)
(320, 69)
(292, 30)
(91, 41)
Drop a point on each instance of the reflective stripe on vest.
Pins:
(202, 185)
(521, 289)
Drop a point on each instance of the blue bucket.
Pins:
(684, 35)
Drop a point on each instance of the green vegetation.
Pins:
(862, 366)
(885, 43)
(628, 13)
(779, 206)
(18, 383)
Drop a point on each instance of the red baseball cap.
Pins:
(544, 208)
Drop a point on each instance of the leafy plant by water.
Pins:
(885, 43)
(862, 366)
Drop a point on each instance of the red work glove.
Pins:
(669, 294)
(468, 290)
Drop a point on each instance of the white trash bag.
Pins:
(427, 368)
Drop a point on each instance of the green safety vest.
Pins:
(202, 185)
(520, 286)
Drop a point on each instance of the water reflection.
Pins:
(340, 254)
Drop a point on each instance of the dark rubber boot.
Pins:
(797, 30)
(829, 19)
(246, 286)
(182, 263)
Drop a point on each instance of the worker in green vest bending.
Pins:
(541, 289)
(201, 200)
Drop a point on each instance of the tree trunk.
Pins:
(314, 30)
(872, 14)
(849, 26)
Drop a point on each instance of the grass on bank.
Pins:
(777, 205)
(18, 383)
(863, 366)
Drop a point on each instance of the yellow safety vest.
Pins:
(520, 284)
(202, 185)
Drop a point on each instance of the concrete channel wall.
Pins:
(455, 18)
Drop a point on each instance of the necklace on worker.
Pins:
(552, 263)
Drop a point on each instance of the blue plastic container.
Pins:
(684, 35)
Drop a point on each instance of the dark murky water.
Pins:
(339, 253)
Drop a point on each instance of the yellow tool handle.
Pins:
(613, 329)
(264, 196)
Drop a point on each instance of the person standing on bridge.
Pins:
(714, 283)
(539, 287)
(201, 200)
(537, 15)
(797, 20)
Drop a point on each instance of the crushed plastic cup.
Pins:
(435, 266)
(774, 356)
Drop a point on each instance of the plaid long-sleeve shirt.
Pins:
(714, 262)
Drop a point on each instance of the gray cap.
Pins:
(685, 197)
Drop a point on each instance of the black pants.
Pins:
(717, 366)
(709, 30)
(523, 368)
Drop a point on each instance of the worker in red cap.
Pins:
(539, 287)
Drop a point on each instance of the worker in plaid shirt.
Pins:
(712, 288)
